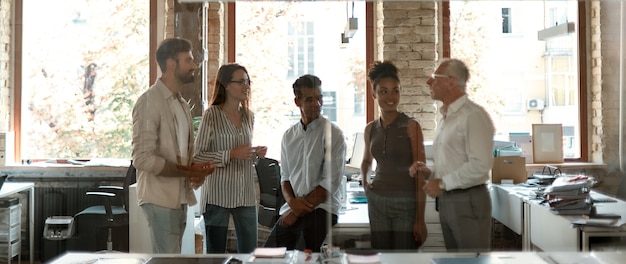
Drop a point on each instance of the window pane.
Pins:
(84, 64)
(282, 28)
(506, 20)
(511, 72)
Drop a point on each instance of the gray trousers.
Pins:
(465, 217)
(391, 222)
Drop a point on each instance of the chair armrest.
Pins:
(111, 187)
(107, 194)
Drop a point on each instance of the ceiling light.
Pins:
(351, 27)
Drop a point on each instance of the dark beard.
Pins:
(186, 78)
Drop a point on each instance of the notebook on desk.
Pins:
(357, 194)
(357, 197)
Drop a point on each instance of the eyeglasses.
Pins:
(436, 75)
(243, 81)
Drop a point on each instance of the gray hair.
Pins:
(457, 69)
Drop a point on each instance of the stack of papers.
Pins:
(599, 222)
(569, 196)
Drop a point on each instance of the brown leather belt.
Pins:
(466, 189)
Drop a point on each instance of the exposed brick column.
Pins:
(185, 21)
(597, 135)
(406, 34)
(5, 64)
(215, 42)
(605, 89)
(169, 15)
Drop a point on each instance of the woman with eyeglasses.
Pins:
(225, 137)
(395, 199)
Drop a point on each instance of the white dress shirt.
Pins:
(303, 154)
(463, 146)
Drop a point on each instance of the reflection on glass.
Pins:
(280, 41)
(84, 63)
(520, 79)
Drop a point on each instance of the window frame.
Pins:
(17, 67)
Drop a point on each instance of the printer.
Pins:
(59, 227)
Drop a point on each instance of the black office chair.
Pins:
(621, 189)
(268, 172)
(108, 220)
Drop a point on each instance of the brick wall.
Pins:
(595, 93)
(5, 69)
(605, 90)
(216, 41)
(406, 34)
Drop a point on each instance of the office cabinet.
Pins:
(10, 229)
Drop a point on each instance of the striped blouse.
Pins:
(231, 185)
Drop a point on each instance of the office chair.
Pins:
(268, 172)
(621, 189)
(110, 217)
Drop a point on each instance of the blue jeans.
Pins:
(166, 227)
(216, 222)
(391, 222)
(313, 227)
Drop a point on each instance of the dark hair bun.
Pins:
(383, 69)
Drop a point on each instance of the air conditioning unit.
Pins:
(535, 104)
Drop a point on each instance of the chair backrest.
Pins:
(131, 178)
(621, 189)
(268, 171)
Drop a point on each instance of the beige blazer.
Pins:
(154, 144)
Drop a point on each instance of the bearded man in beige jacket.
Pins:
(163, 148)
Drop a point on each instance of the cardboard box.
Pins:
(509, 168)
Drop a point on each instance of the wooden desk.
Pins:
(10, 188)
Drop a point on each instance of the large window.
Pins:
(532, 77)
(280, 41)
(84, 62)
(301, 49)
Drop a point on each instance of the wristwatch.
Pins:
(442, 185)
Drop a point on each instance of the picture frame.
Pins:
(547, 142)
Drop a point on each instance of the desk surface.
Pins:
(354, 214)
(9, 188)
(493, 257)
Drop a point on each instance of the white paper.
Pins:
(278, 252)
